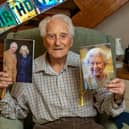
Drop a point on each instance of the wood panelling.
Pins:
(92, 12)
(2, 1)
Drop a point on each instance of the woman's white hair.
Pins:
(24, 48)
(95, 52)
(43, 23)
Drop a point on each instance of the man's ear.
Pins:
(43, 38)
(71, 42)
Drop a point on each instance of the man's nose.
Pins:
(57, 40)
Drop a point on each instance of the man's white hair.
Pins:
(43, 23)
(13, 44)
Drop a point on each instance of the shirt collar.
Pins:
(41, 64)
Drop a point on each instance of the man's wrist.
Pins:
(2, 93)
(118, 99)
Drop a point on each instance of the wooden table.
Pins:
(123, 72)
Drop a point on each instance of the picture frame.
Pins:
(18, 59)
(97, 67)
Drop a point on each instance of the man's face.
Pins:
(57, 40)
(13, 47)
(96, 65)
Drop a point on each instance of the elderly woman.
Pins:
(24, 65)
(96, 61)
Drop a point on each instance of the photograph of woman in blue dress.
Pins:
(24, 65)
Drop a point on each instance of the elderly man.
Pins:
(9, 64)
(53, 97)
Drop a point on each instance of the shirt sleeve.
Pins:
(13, 109)
(104, 102)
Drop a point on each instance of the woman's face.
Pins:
(23, 53)
(97, 66)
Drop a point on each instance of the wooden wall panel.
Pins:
(2, 1)
(92, 12)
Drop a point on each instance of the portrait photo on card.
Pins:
(96, 65)
(18, 58)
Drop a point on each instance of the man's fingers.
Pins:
(114, 90)
(116, 86)
(5, 80)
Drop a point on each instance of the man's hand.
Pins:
(116, 86)
(5, 80)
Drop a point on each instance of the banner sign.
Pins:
(42, 5)
(23, 10)
(6, 17)
(15, 12)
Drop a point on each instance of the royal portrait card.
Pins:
(18, 58)
(97, 67)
